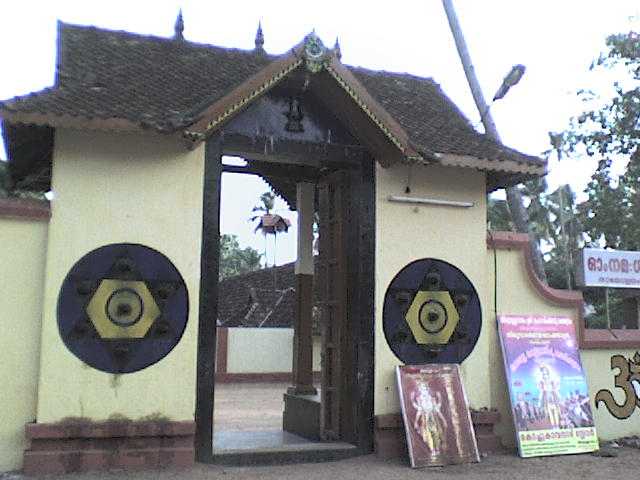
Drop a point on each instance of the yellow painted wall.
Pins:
(121, 188)
(597, 365)
(23, 246)
(405, 233)
(516, 295)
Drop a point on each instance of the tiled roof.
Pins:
(264, 298)
(149, 81)
(431, 118)
(128, 81)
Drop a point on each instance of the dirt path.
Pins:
(249, 406)
(499, 467)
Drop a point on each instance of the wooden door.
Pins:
(336, 419)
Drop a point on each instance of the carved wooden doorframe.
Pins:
(359, 235)
(346, 201)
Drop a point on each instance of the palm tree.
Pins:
(540, 223)
(567, 231)
(269, 223)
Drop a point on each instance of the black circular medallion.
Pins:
(122, 307)
(431, 313)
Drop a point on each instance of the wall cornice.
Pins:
(25, 208)
(588, 338)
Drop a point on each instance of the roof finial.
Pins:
(336, 49)
(178, 28)
(259, 39)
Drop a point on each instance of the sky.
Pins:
(555, 40)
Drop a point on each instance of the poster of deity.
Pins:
(547, 386)
(436, 415)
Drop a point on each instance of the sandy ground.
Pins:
(499, 467)
(248, 406)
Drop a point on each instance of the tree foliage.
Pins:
(609, 131)
(498, 216)
(235, 260)
(4, 178)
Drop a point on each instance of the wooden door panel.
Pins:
(333, 281)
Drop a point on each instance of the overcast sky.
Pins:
(555, 40)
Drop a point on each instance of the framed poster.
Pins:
(436, 415)
(547, 386)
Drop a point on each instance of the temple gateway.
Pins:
(111, 290)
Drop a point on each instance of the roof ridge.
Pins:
(258, 270)
(150, 37)
(249, 51)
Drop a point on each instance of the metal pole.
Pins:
(519, 214)
(469, 71)
(606, 306)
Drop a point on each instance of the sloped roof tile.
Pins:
(164, 84)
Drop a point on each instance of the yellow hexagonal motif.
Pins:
(122, 309)
(432, 317)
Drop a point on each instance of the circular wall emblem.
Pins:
(431, 313)
(122, 307)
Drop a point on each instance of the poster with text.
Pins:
(547, 385)
(436, 415)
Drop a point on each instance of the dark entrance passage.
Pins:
(311, 130)
(344, 405)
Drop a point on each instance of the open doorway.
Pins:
(256, 309)
(298, 146)
(311, 408)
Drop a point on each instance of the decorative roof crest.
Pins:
(178, 27)
(336, 50)
(314, 52)
(259, 41)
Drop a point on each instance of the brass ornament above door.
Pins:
(431, 313)
(122, 308)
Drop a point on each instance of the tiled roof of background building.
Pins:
(262, 298)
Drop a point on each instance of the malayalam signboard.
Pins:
(436, 415)
(610, 268)
(547, 386)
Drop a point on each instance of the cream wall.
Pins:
(23, 246)
(264, 350)
(597, 364)
(405, 233)
(516, 295)
(121, 188)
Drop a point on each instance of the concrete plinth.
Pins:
(302, 415)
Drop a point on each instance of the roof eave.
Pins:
(490, 165)
(56, 121)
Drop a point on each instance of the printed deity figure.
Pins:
(549, 397)
(429, 421)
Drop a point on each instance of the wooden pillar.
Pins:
(208, 308)
(302, 335)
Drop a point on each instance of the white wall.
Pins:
(264, 350)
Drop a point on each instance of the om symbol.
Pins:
(629, 371)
